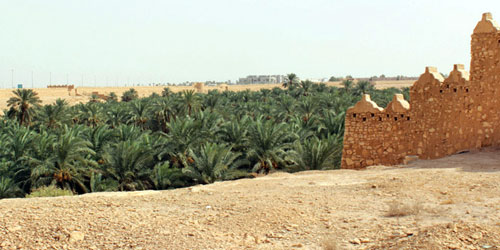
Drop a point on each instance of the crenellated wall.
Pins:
(444, 116)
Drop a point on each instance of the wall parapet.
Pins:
(365, 105)
(372, 133)
(398, 104)
(487, 25)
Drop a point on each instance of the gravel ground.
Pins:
(450, 203)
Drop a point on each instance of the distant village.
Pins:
(273, 79)
(251, 79)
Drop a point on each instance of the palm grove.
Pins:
(174, 139)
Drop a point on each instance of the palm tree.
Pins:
(154, 95)
(130, 95)
(291, 80)
(23, 105)
(68, 164)
(235, 133)
(139, 113)
(211, 163)
(208, 123)
(317, 154)
(364, 87)
(347, 84)
(165, 176)
(116, 115)
(269, 144)
(128, 163)
(54, 116)
(41, 152)
(90, 114)
(17, 141)
(265, 94)
(306, 86)
(211, 100)
(277, 91)
(100, 184)
(163, 108)
(286, 106)
(9, 189)
(128, 132)
(112, 97)
(61, 104)
(307, 107)
(94, 98)
(166, 92)
(321, 87)
(183, 133)
(190, 100)
(99, 137)
(331, 123)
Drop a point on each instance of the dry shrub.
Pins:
(49, 191)
(330, 244)
(401, 209)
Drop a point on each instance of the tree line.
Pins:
(173, 140)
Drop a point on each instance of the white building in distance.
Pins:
(253, 79)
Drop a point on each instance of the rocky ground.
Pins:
(450, 203)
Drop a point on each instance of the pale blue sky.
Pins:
(142, 41)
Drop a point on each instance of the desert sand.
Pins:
(449, 203)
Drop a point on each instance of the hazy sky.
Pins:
(141, 41)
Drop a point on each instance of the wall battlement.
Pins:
(443, 117)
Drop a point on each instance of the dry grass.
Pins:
(401, 209)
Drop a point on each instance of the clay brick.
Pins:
(443, 117)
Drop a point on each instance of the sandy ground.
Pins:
(450, 203)
(49, 96)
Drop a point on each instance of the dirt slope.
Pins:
(447, 203)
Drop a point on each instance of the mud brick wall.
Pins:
(444, 116)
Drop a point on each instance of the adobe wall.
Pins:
(444, 116)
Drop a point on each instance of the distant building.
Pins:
(388, 78)
(254, 79)
(316, 79)
(215, 83)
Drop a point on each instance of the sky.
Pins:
(125, 42)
